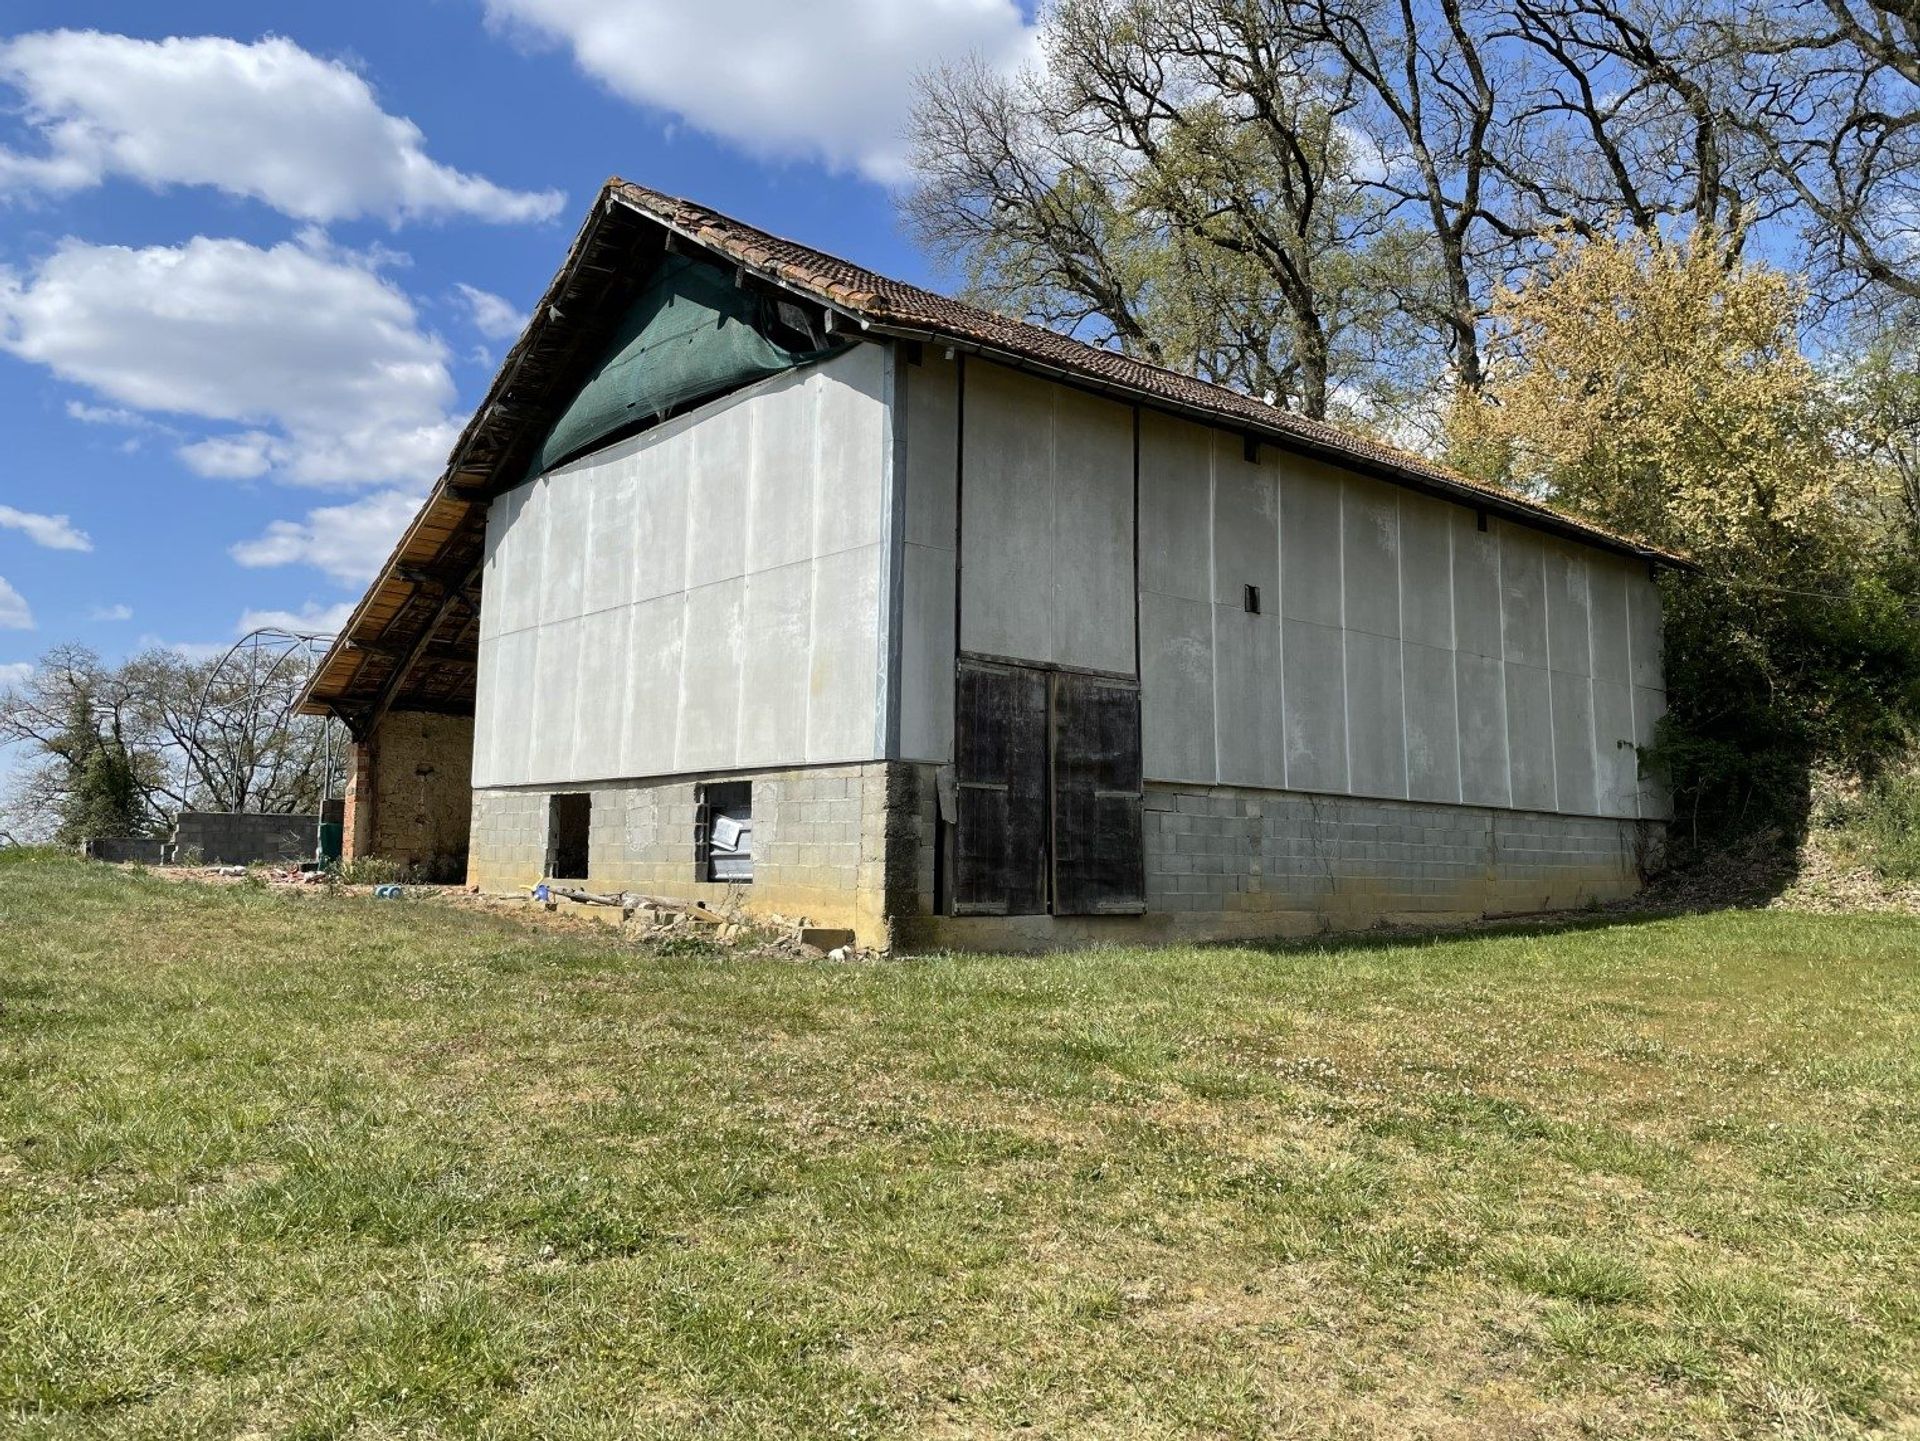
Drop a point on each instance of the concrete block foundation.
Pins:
(854, 846)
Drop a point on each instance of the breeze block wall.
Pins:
(848, 846)
(1230, 863)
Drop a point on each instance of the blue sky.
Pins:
(258, 262)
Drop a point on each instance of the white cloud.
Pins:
(319, 356)
(55, 532)
(15, 614)
(348, 542)
(266, 120)
(311, 619)
(492, 315)
(117, 612)
(16, 672)
(829, 80)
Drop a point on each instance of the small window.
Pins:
(1253, 600)
(723, 832)
(569, 824)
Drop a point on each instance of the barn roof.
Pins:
(411, 643)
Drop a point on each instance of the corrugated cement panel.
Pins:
(926, 654)
(842, 705)
(1309, 542)
(1176, 469)
(660, 680)
(1006, 516)
(1486, 777)
(1426, 571)
(1433, 728)
(1376, 716)
(1093, 586)
(1523, 595)
(1530, 736)
(1575, 788)
(776, 664)
(1314, 663)
(931, 415)
(1250, 728)
(1176, 688)
(1616, 764)
(1370, 549)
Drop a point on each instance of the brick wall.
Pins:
(829, 843)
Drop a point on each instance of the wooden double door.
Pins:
(1048, 792)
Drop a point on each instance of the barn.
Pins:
(764, 578)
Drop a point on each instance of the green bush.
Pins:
(1887, 820)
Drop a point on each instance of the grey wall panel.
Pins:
(708, 734)
(1575, 784)
(1644, 633)
(786, 470)
(1523, 595)
(1176, 688)
(1246, 526)
(563, 568)
(659, 678)
(1370, 556)
(611, 535)
(601, 704)
(1433, 726)
(656, 639)
(1476, 587)
(1310, 503)
(1615, 763)
(927, 654)
(1313, 662)
(775, 664)
(1426, 572)
(1530, 736)
(849, 505)
(1569, 649)
(1376, 715)
(1249, 726)
(1486, 775)
(1607, 582)
(1176, 469)
(718, 469)
(1046, 511)
(1007, 516)
(1649, 707)
(1093, 574)
(841, 704)
(929, 400)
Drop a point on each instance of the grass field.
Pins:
(280, 1166)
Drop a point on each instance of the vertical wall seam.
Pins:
(1400, 605)
(1553, 730)
(1346, 704)
(1213, 594)
(892, 639)
(1500, 609)
(1453, 662)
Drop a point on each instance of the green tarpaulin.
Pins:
(692, 333)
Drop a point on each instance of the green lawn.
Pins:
(273, 1165)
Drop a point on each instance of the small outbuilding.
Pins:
(760, 575)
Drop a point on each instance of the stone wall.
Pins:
(841, 845)
(408, 793)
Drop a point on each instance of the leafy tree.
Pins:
(1659, 389)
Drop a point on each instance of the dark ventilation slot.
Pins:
(723, 832)
(1252, 599)
(569, 825)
